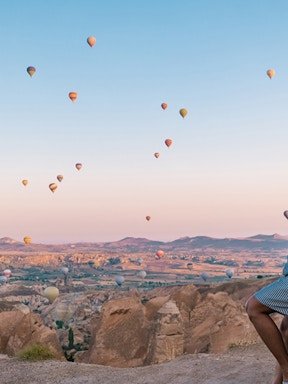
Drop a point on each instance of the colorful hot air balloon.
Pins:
(73, 96)
(60, 178)
(31, 71)
(53, 187)
(7, 273)
(159, 254)
(168, 142)
(91, 40)
(51, 293)
(78, 166)
(148, 218)
(229, 273)
(204, 276)
(65, 270)
(142, 274)
(119, 280)
(156, 154)
(27, 240)
(3, 279)
(139, 261)
(164, 106)
(183, 112)
(271, 73)
(24, 182)
(190, 266)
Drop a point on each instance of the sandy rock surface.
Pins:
(241, 365)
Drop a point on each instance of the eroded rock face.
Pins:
(19, 328)
(120, 334)
(168, 340)
(218, 323)
(172, 321)
(131, 328)
(126, 334)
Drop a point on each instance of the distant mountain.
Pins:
(138, 245)
(8, 240)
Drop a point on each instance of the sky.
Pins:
(226, 173)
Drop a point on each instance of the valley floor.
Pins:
(242, 365)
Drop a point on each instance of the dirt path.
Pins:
(253, 365)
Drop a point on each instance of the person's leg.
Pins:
(268, 331)
(284, 332)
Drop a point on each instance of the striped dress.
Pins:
(275, 295)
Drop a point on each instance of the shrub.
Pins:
(70, 338)
(59, 324)
(36, 352)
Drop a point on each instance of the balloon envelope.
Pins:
(156, 154)
(271, 73)
(7, 273)
(51, 293)
(73, 96)
(183, 112)
(119, 280)
(78, 166)
(164, 106)
(65, 270)
(168, 142)
(60, 178)
(24, 182)
(53, 187)
(229, 273)
(148, 218)
(160, 253)
(31, 71)
(286, 214)
(27, 240)
(3, 279)
(142, 274)
(204, 276)
(190, 266)
(91, 40)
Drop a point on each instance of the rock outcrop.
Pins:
(20, 328)
(131, 328)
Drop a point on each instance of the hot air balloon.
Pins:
(119, 280)
(24, 182)
(286, 214)
(60, 178)
(164, 106)
(53, 187)
(156, 154)
(139, 261)
(183, 112)
(51, 293)
(7, 273)
(190, 266)
(168, 142)
(142, 274)
(3, 279)
(31, 71)
(159, 254)
(27, 240)
(91, 40)
(204, 276)
(78, 166)
(65, 270)
(73, 96)
(229, 273)
(148, 218)
(271, 73)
